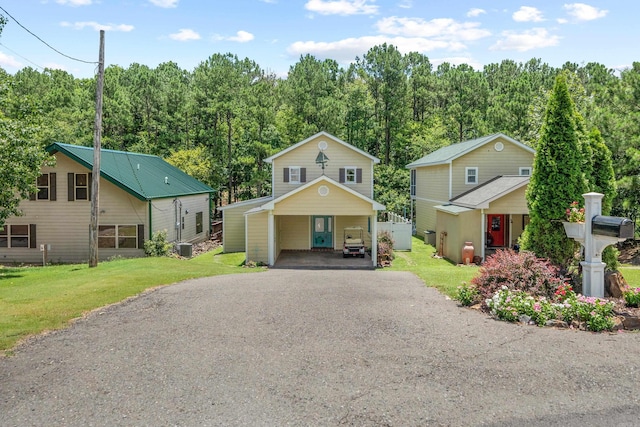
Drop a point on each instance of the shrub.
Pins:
(467, 295)
(632, 297)
(158, 245)
(521, 271)
(385, 246)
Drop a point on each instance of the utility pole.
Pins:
(95, 181)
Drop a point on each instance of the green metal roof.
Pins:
(144, 176)
(453, 151)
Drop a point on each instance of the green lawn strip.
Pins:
(435, 272)
(37, 299)
(631, 274)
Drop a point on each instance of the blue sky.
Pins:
(275, 33)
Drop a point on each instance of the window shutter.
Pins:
(285, 173)
(32, 236)
(359, 175)
(341, 175)
(140, 236)
(90, 184)
(303, 174)
(71, 189)
(52, 186)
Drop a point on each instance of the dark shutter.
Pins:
(359, 175)
(32, 236)
(303, 174)
(285, 173)
(89, 184)
(140, 236)
(52, 186)
(341, 175)
(71, 188)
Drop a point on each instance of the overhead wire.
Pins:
(44, 42)
(17, 54)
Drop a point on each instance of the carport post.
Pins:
(271, 237)
(374, 239)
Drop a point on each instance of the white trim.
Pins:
(483, 234)
(246, 239)
(326, 135)
(374, 239)
(466, 175)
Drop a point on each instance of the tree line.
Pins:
(221, 119)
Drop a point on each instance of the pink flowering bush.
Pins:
(521, 271)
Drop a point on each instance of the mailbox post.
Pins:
(599, 232)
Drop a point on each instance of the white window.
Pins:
(471, 175)
(294, 174)
(525, 171)
(350, 175)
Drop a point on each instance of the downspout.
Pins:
(374, 239)
(271, 251)
(150, 225)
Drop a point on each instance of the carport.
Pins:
(321, 260)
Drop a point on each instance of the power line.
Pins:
(45, 43)
(17, 54)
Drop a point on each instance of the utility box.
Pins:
(614, 226)
(430, 238)
(185, 250)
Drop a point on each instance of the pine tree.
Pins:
(557, 179)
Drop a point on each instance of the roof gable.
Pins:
(451, 152)
(144, 176)
(328, 136)
(271, 205)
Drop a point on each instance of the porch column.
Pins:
(271, 237)
(483, 233)
(374, 239)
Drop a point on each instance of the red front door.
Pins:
(495, 230)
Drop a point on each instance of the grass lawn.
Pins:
(435, 272)
(36, 299)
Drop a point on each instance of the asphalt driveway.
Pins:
(292, 347)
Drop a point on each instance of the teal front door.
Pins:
(322, 232)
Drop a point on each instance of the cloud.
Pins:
(341, 7)
(440, 28)
(475, 12)
(527, 14)
(75, 2)
(167, 4)
(562, 21)
(91, 24)
(346, 50)
(584, 12)
(526, 40)
(240, 37)
(9, 61)
(406, 4)
(269, 1)
(184, 34)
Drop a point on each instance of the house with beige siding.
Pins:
(320, 186)
(139, 195)
(472, 191)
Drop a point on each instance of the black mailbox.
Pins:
(614, 226)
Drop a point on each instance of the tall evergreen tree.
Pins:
(557, 179)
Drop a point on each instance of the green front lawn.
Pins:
(37, 299)
(435, 272)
